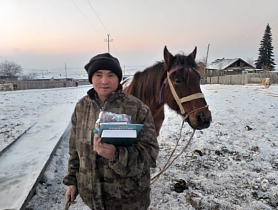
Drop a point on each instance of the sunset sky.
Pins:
(46, 34)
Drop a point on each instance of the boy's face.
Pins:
(104, 82)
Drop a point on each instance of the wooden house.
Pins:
(221, 67)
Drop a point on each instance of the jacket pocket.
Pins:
(136, 184)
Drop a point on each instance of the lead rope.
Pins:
(179, 101)
(167, 164)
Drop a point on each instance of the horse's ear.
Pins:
(168, 57)
(193, 54)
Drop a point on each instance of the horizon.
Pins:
(48, 35)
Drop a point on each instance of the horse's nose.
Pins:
(203, 120)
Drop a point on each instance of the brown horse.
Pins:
(175, 82)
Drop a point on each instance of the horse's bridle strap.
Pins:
(166, 81)
(192, 97)
(184, 99)
(175, 94)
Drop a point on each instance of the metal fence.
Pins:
(241, 79)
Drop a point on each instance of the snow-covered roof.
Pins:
(79, 76)
(59, 76)
(221, 64)
(48, 76)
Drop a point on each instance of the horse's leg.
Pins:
(158, 118)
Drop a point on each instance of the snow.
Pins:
(231, 165)
(20, 168)
(19, 110)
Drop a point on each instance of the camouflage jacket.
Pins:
(122, 183)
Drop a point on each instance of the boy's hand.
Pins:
(103, 149)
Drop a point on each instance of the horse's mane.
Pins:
(184, 60)
(147, 83)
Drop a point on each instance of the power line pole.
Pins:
(108, 40)
(206, 73)
(207, 55)
(66, 72)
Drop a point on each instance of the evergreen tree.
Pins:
(265, 58)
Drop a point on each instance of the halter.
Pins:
(175, 95)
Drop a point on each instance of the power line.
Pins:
(259, 26)
(86, 17)
(274, 26)
(254, 32)
(97, 16)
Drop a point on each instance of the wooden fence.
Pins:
(241, 79)
(24, 85)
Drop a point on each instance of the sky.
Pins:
(237, 168)
(53, 35)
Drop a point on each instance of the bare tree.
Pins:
(251, 61)
(265, 68)
(28, 76)
(10, 68)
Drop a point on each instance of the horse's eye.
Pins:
(176, 80)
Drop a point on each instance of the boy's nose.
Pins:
(104, 79)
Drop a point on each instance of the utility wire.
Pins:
(274, 26)
(86, 17)
(258, 28)
(249, 35)
(98, 16)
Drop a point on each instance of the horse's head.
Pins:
(182, 89)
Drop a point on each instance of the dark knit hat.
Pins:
(103, 61)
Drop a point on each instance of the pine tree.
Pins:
(265, 58)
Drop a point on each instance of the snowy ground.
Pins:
(21, 109)
(234, 166)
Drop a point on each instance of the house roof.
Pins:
(79, 76)
(221, 64)
(47, 76)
